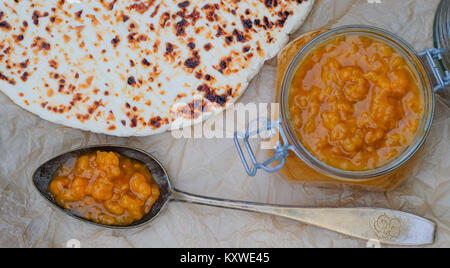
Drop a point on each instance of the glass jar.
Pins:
(295, 162)
(442, 42)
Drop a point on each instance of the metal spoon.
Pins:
(383, 226)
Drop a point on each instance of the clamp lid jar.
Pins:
(299, 162)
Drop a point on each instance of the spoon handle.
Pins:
(385, 226)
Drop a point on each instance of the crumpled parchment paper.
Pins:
(211, 167)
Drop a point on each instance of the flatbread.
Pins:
(134, 68)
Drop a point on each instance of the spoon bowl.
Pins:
(43, 176)
(384, 226)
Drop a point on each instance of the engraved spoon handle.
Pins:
(390, 227)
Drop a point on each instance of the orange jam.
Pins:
(356, 103)
(106, 188)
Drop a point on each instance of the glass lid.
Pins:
(442, 45)
(442, 31)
